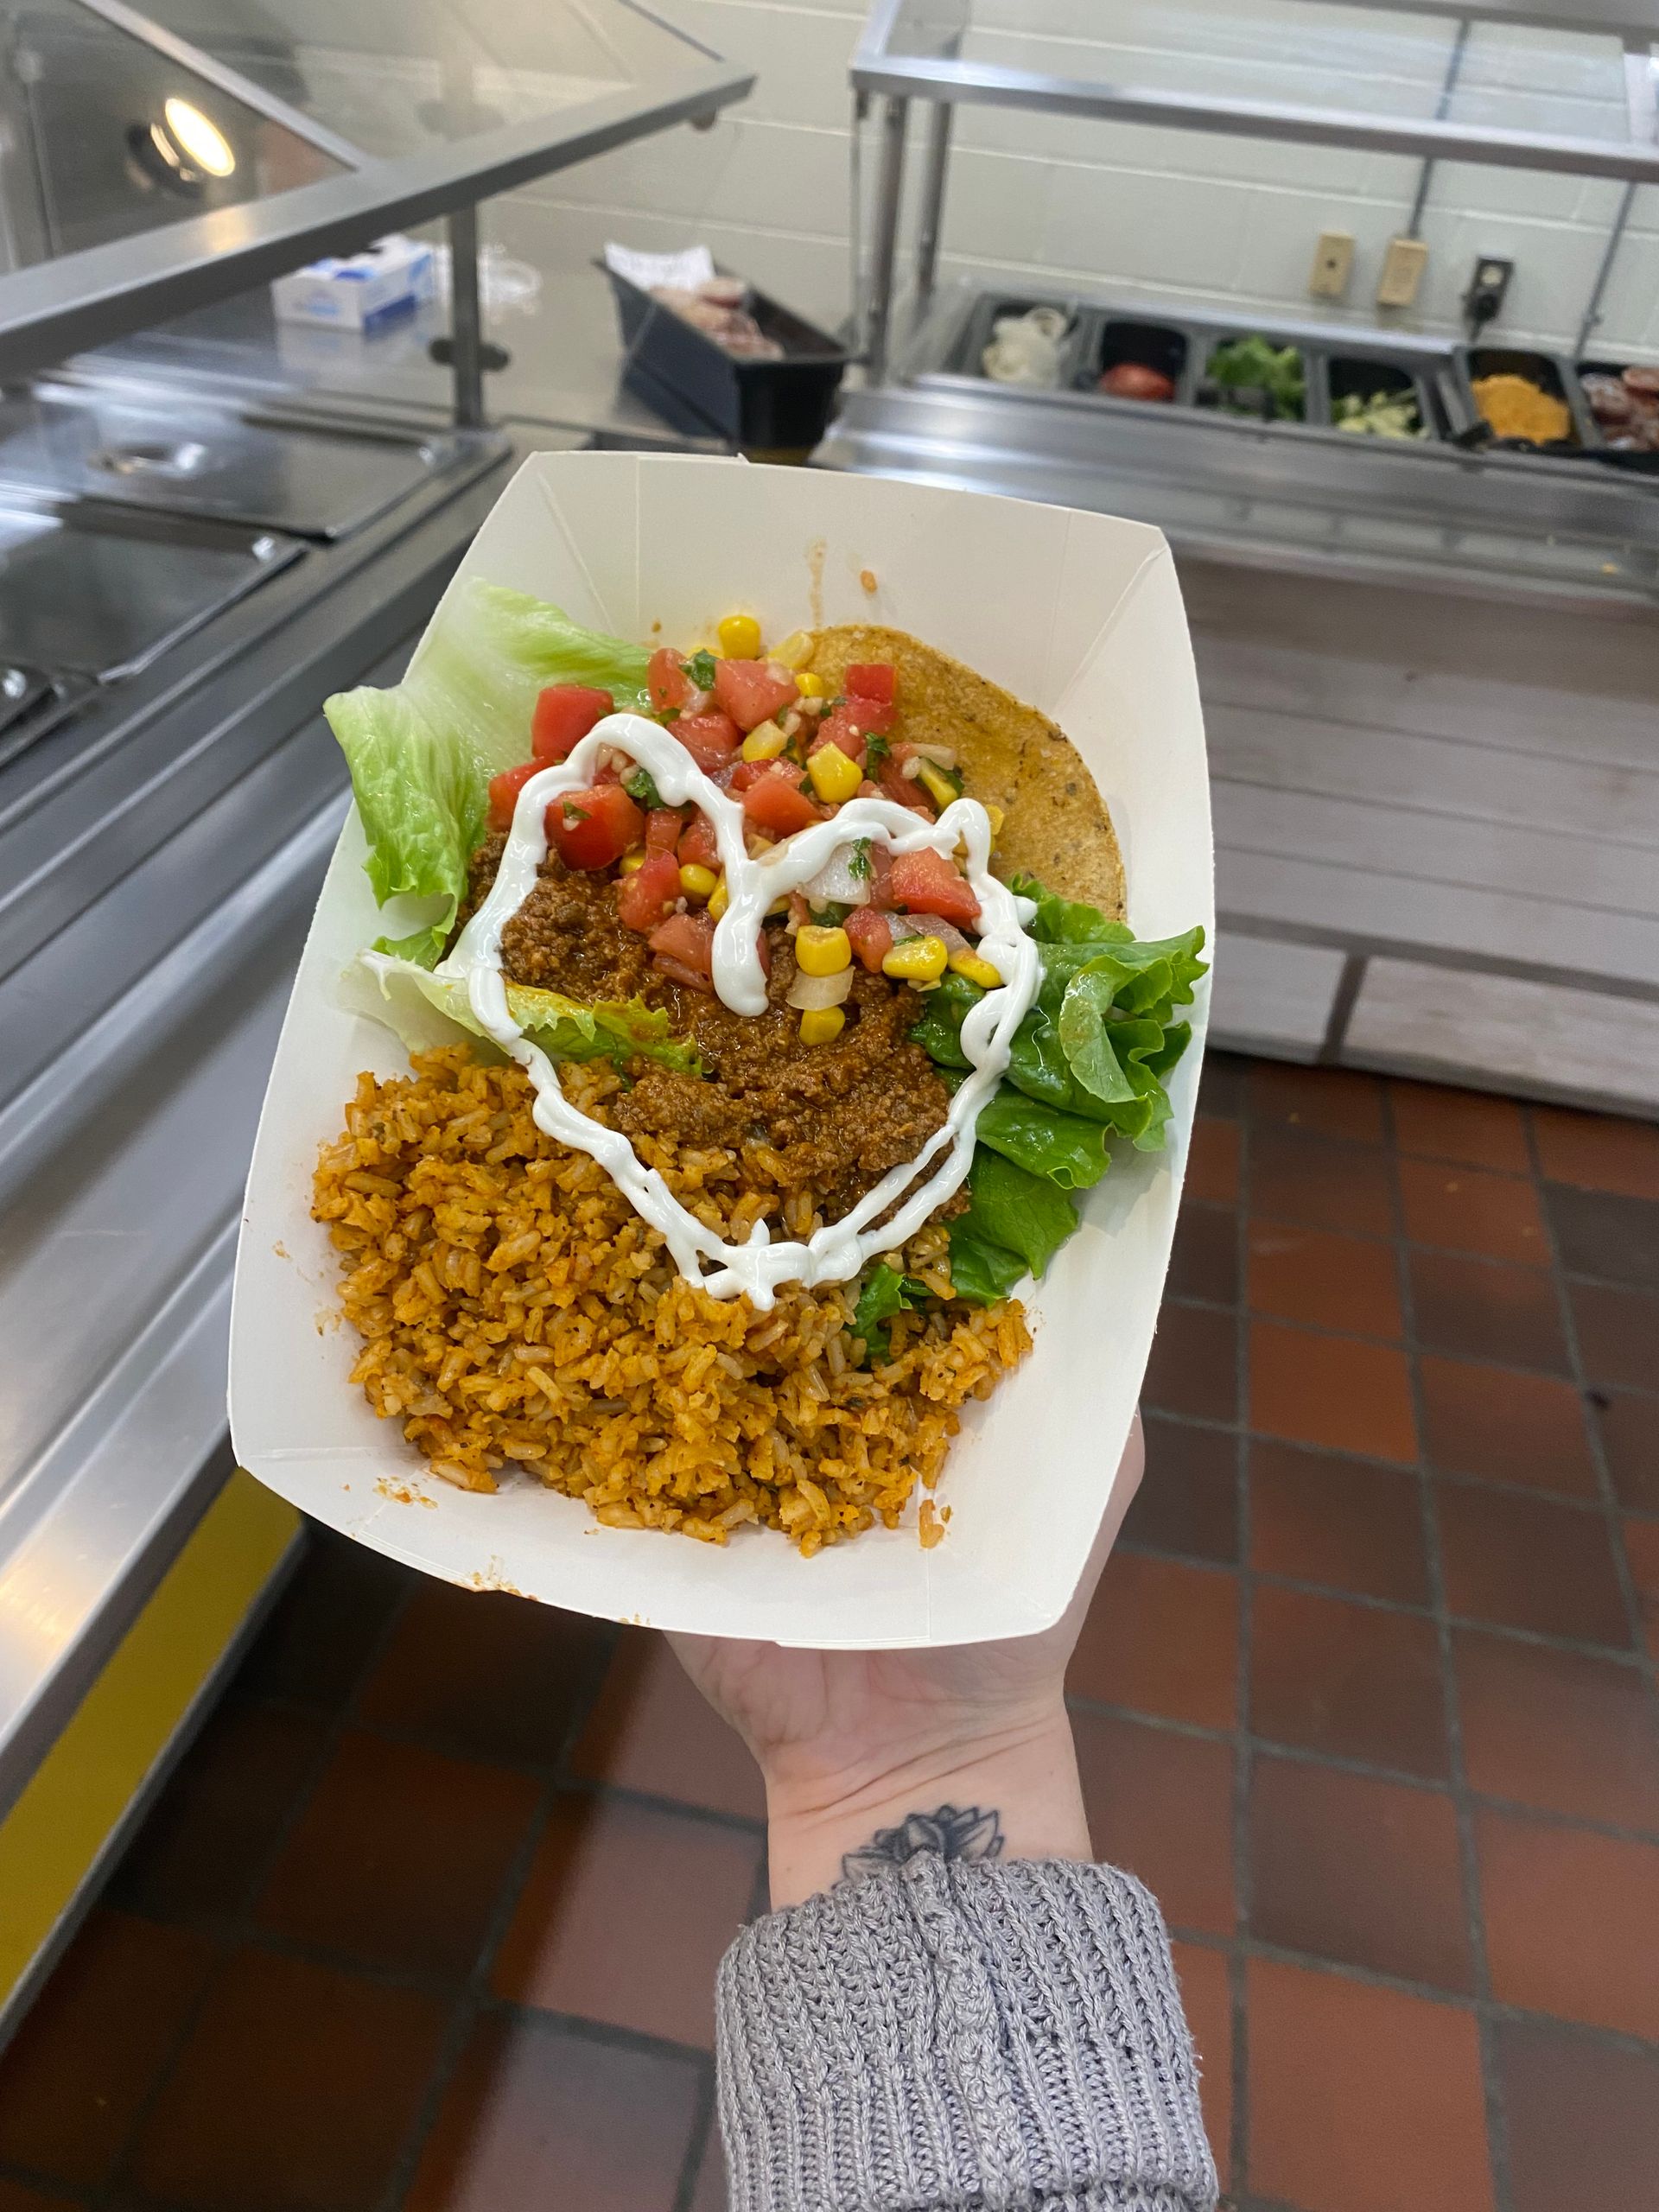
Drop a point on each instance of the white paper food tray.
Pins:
(1078, 614)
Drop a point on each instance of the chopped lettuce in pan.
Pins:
(422, 753)
(1087, 1062)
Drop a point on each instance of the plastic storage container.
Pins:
(781, 406)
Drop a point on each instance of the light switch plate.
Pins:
(1334, 262)
(1402, 272)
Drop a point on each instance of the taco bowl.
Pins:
(654, 1240)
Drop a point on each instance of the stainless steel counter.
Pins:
(159, 855)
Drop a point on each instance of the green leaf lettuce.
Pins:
(422, 753)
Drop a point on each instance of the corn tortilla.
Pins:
(1057, 826)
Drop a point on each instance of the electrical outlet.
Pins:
(1334, 262)
(1402, 273)
(1489, 288)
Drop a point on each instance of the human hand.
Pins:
(854, 1742)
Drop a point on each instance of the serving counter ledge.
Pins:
(160, 854)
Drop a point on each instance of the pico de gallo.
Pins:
(765, 731)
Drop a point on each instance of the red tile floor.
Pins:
(428, 1917)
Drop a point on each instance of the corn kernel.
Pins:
(719, 900)
(938, 785)
(820, 951)
(779, 905)
(795, 651)
(809, 686)
(834, 775)
(997, 818)
(740, 638)
(917, 960)
(822, 1025)
(632, 860)
(976, 969)
(697, 881)
(765, 743)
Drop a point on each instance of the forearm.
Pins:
(1021, 1778)
(953, 2008)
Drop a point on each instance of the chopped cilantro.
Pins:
(701, 670)
(830, 915)
(642, 790)
(876, 749)
(859, 866)
(572, 814)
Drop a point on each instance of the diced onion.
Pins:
(811, 993)
(907, 925)
(941, 756)
(835, 881)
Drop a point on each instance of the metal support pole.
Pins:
(465, 319)
(885, 253)
(1442, 109)
(932, 218)
(1599, 289)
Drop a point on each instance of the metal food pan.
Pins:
(180, 453)
(1553, 372)
(1638, 463)
(98, 592)
(1365, 369)
(1110, 336)
(1210, 335)
(965, 356)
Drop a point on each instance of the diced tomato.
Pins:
(698, 847)
(905, 789)
(684, 946)
(841, 728)
(645, 896)
(753, 691)
(777, 802)
(868, 790)
(872, 717)
(872, 679)
(564, 714)
(504, 789)
(744, 772)
(610, 774)
(710, 739)
(927, 883)
(880, 877)
(663, 828)
(591, 828)
(763, 946)
(666, 681)
(870, 935)
(799, 912)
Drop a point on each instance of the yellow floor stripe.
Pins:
(57, 1827)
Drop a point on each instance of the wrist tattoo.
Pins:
(954, 1831)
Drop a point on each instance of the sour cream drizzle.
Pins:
(838, 1251)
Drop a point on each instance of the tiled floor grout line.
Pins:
(1599, 1460)
(1214, 1427)
(1431, 1992)
(1244, 1757)
(239, 1929)
(467, 2004)
(1615, 1654)
(1362, 1770)
(1491, 2089)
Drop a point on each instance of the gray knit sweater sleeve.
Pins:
(946, 2034)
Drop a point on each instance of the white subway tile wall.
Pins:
(1181, 216)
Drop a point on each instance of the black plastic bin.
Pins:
(781, 406)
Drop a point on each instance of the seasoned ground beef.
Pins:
(819, 1124)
